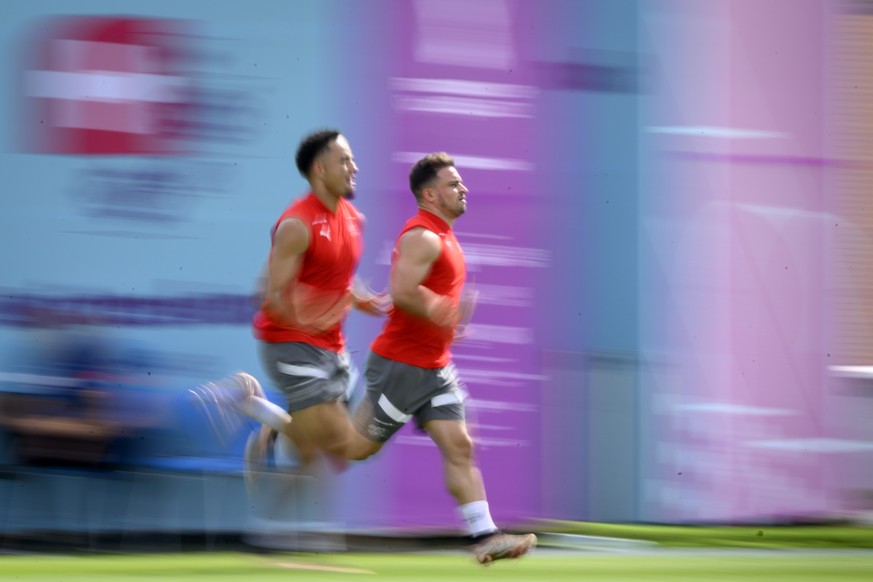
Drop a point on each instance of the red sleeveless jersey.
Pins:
(412, 339)
(335, 246)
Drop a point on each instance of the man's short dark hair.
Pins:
(426, 170)
(310, 148)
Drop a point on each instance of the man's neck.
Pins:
(329, 200)
(449, 220)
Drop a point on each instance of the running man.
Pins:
(410, 373)
(308, 290)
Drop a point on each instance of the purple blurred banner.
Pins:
(462, 87)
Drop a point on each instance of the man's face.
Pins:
(338, 168)
(450, 194)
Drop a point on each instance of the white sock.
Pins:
(478, 518)
(265, 412)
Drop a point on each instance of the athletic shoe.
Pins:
(245, 384)
(219, 400)
(499, 546)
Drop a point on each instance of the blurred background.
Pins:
(669, 224)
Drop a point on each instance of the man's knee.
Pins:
(361, 449)
(358, 454)
(459, 448)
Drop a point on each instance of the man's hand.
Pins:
(368, 301)
(312, 310)
(466, 307)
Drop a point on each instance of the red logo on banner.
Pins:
(98, 85)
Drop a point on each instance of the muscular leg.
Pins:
(462, 477)
(327, 428)
(464, 481)
(321, 428)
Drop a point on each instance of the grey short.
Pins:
(307, 375)
(397, 392)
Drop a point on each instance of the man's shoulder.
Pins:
(416, 221)
(305, 202)
(420, 241)
(418, 231)
(304, 208)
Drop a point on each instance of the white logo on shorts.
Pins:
(376, 431)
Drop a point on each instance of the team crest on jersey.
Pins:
(443, 236)
(352, 226)
(325, 227)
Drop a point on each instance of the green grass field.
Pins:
(546, 566)
(753, 537)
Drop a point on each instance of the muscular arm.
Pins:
(417, 251)
(289, 243)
